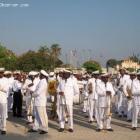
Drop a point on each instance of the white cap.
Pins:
(105, 74)
(51, 74)
(7, 72)
(17, 72)
(43, 72)
(67, 71)
(132, 73)
(33, 73)
(122, 69)
(84, 76)
(2, 69)
(96, 72)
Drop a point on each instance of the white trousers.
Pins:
(122, 104)
(41, 119)
(29, 107)
(3, 116)
(10, 102)
(135, 114)
(63, 113)
(129, 110)
(103, 119)
(91, 109)
(85, 105)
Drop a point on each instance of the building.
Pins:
(129, 64)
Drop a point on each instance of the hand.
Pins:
(30, 85)
(61, 93)
(81, 90)
(128, 97)
(108, 93)
(121, 88)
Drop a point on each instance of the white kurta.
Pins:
(103, 104)
(70, 88)
(40, 102)
(3, 103)
(135, 101)
(40, 93)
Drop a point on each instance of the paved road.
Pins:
(17, 130)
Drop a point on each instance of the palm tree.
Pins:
(55, 52)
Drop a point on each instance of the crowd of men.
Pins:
(97, 94)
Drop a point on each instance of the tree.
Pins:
(44, 58)
(111, 63)
(7, 58)
(37, 60)
(91, 66)
(32, 60)
(55, 52)
(52, 54)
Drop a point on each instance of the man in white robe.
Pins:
(3, 103)
(40, 103)
(135, 101)
(105, 92)
(66, 89)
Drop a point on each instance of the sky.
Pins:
(96, 29)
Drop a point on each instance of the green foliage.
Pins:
(111, 63)
(52, 54)
(91, 66)
(7, 58)
(45, 58)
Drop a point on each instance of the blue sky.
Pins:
(99, 29)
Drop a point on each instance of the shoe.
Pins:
(66, 122)
(110, 129)
(133, 128)
(3, 132)
(32, 131)
(129, 120)
(29, 122)
(86, 116)
(125, 116)
(14, 115)
(120, 116)
(61, 129)
(43, 132)
(98, 130)
(20, 116)
(70, 130)
(116, 112)
(90, 121)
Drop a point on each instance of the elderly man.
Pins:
(66, 89)
(105, 92)
(40, 100)
(135, 100)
